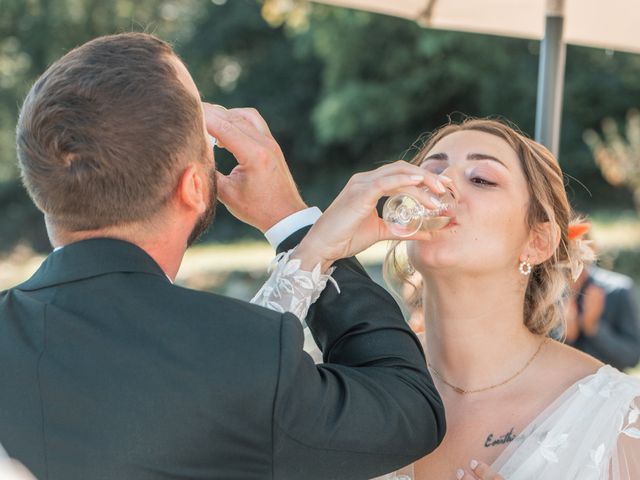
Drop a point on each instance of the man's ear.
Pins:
(191, 192)
(543, 242)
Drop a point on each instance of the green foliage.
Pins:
(34, 33)
(342, 91)
(386, 80)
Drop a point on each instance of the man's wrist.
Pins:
(281, 213)
(290, 224)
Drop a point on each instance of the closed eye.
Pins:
(483, 182)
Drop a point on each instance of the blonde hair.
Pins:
(548, 281)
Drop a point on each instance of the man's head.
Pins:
(108, 135)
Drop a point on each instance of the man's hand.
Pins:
(260, 190)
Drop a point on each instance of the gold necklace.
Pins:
(462, 391)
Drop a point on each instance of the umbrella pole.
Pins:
(551, 81)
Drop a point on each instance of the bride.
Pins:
(519, 405)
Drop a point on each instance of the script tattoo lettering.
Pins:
(493, 441)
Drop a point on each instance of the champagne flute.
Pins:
(405, 215)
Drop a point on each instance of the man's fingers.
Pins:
(241, 144)
(252, 116)
(244, 119)
(224, 187)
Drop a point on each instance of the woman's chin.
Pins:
(432, 255)
(436, 263)
(437, 269)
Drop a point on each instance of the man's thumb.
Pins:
(224, 187)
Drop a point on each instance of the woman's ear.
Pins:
(543, 242)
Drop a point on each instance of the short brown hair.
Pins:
(102, 132)
(548, 202)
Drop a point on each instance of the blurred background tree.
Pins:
(34, 33)
(617, 157)
(343, 91)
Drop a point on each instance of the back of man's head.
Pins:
(104, 132)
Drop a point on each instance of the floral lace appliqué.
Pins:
(551, 444)
(290, 289)
(596, 456)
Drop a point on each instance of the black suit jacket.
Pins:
(108, 371)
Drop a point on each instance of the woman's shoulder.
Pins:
(575, 361)
(568, 365)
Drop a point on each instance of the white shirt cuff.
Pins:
(288, 225)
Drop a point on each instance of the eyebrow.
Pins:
(471, 156)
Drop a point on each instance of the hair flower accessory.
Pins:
(577, 230)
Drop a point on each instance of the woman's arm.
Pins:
(348, 226)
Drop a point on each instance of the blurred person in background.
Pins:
(602, 317)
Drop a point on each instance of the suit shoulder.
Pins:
(216, 302)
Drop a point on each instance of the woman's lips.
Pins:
(451, 224)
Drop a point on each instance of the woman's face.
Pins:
(489, 231)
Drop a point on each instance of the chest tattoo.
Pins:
(493, 440)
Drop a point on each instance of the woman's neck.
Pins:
(475, 332)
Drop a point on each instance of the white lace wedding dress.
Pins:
(590, 432)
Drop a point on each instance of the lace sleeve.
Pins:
(290, 289)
